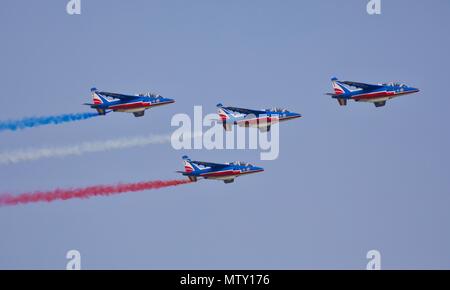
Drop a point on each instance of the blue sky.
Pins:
(348, 179)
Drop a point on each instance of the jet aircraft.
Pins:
(105, 102)
(218, 171)
(362, 92)
(261, 119)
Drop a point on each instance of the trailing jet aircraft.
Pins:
(362, 92)
(136, 104)
(219, 171)
(261, 119)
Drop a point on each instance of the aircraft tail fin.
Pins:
(189, 166)
(338, 87)
(226, 116)
(339, 92)
(97, 98)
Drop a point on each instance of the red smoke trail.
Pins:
(86, 192)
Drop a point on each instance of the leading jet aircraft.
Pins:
(261, 119)
(137, 104)
(362, 92)
(218, 171)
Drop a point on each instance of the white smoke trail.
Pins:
(31, 154)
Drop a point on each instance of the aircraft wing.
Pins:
(362, 85)
(118, 96)
(245, 111)
(210, 164)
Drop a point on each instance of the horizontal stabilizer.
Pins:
(92, 105)
(333, 95)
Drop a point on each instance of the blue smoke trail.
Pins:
(14, 125)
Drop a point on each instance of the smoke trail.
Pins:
(85, 192)
(14, 125)
(22, 155)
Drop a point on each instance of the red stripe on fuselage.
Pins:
(221, 173)
(373, 95)
(130, 106)
(265, 120)
(228, 172)
(258, 120)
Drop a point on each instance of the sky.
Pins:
(348, 179)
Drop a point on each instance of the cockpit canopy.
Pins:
(241, 163)
(149, 94)
(395, 84)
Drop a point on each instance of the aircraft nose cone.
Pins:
(413, 90)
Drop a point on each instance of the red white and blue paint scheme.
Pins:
(105, 102)
(362, 92)
(261, 119)
(226, 172)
